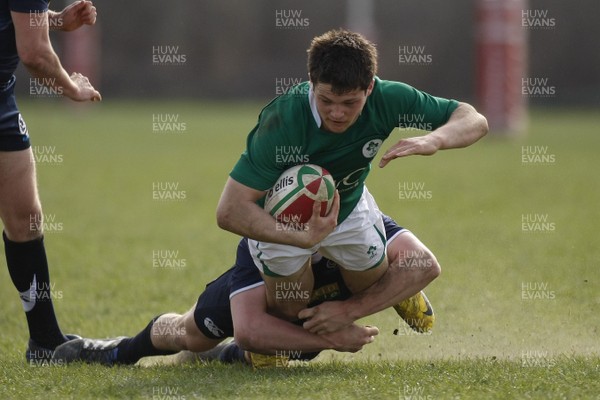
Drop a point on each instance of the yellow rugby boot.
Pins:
(417, 312)
(265, 361)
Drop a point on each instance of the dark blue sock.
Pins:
(130, 350)
(28, 269)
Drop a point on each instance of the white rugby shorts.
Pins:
(357, 244)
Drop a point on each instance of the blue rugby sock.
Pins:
(130, 350)
(28, 269)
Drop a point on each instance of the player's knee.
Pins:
(428, 264)
(194, 343)
(192, 338)
(435, 269)
(24, 226)
(423, 263)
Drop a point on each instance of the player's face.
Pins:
(339, 112)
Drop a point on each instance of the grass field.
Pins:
(513, 223)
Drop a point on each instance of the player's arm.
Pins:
(256, 330)
(464, 127)
(73, 16)
(238, 212)
(397, 284)
(38, 56)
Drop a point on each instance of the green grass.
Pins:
(489, 341)
(568, 378)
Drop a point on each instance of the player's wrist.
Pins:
(72, 91)
(55, 20)
(299, 239)
(436, 139)
(332, 341)
(352, 310)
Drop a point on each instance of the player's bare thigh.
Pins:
(357, 281)
(287, 295)
(19, 201)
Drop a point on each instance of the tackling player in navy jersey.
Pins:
(234, 305)
(24, 27)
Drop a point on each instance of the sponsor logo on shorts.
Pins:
(22, 126)
(212, 327)
(372, 252)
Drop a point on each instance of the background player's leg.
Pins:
(287, 295)
(21, 213)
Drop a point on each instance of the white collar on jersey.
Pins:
(313, 104)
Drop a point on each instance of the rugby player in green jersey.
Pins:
(338, 120)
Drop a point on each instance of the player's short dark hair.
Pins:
(345, 60)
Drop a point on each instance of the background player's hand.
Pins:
(318, 228)
(77, 14)
(419, 145)
(352, 338)
(327, 317)
(85, 90)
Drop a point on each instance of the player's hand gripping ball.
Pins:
(291, 199)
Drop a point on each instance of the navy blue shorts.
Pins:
(213, 312)
(13, 131)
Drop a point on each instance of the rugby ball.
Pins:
(292, 197)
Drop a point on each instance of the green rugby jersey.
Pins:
(288, 133)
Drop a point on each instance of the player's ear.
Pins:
(370, 88)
